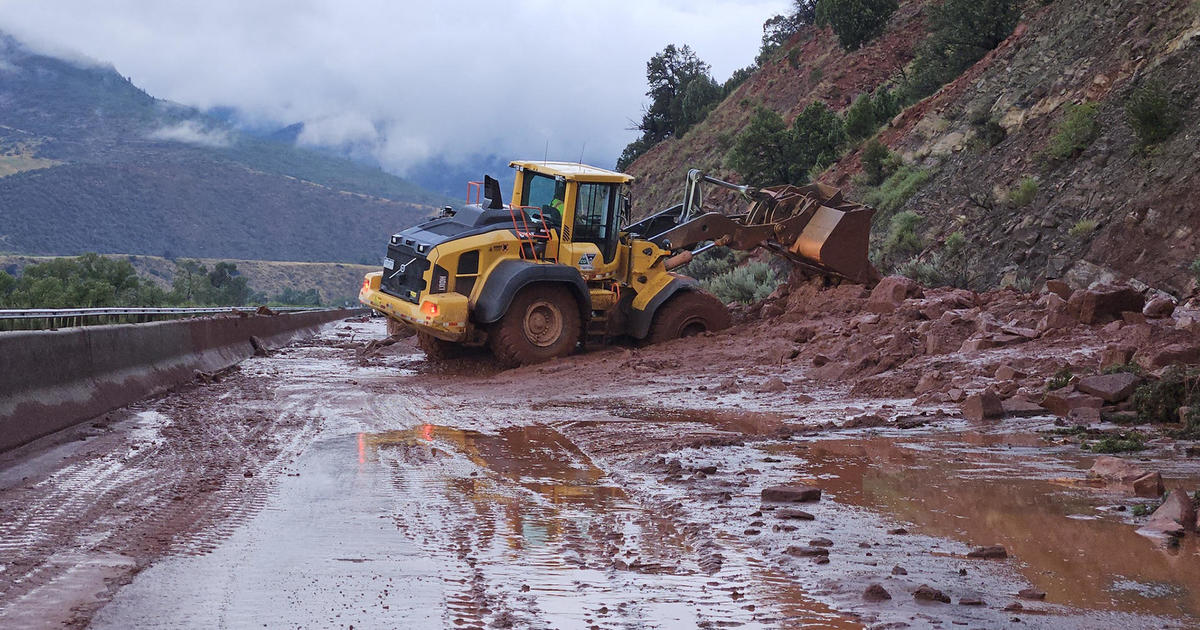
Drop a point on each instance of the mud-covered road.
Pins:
(318, 488)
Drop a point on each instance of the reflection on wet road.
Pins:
(443, 527)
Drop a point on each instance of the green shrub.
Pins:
(1131, 368)
(815, 75)
(897, 188)
(819, 135)
(710, 263)
(793, 58)
(1160, 400)
(1141, 510)
(855, 22)
(1152, 113)
(961, 32)
(1129, 443)
(988, 131)
(886, 105)
(948, 266)
(1082, 228)
(1075, 132)
(764, 153)
(875, 162)
(748, 283)
(1024, 193)
(1195, 269)
(1061, 379)
(767, 152)
(860, 118)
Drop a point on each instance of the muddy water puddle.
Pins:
(553, 542)
(997, 489)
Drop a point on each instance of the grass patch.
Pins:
(1082, 228)
(897, 188)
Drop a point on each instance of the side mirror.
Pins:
(626, 210)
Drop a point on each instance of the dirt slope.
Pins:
(1065, 52)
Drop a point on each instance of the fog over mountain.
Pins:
(404, 83)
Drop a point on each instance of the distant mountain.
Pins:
(89, 162)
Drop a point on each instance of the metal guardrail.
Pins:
(42, 318)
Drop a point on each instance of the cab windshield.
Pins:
(540, 190)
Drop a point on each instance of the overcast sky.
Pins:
(409, 80)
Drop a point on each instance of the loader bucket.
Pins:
(816, 227)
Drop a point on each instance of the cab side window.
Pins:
(595, 206)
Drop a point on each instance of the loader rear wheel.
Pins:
(438, 349)
(686, 314)
(541, 323)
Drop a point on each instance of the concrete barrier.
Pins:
(53, 379)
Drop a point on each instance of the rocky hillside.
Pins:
(89, 162)
(1111, 209)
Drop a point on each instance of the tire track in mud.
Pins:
(177, 477)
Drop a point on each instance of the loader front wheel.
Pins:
(686, 314)
(438, 349)
(541, 323)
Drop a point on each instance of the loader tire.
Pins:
(438, 349)
(541, 323)
(686, 314)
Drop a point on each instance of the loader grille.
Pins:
(404, 276)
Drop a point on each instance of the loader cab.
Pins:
(583, 205)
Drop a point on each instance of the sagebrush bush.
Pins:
(1075, 132)
(710, 263)
(748, 283)
(1152, 113)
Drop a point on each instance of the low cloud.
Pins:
(407, 81)
(191, 132)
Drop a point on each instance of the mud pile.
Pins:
(945, 345)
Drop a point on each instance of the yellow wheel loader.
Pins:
(560, 265)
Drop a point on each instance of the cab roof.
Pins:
(573, 171)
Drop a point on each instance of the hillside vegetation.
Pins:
(89, 162)
(1001, 142)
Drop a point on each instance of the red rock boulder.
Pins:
(1105, 303)
(891, 293)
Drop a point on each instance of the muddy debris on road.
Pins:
(845, 458)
